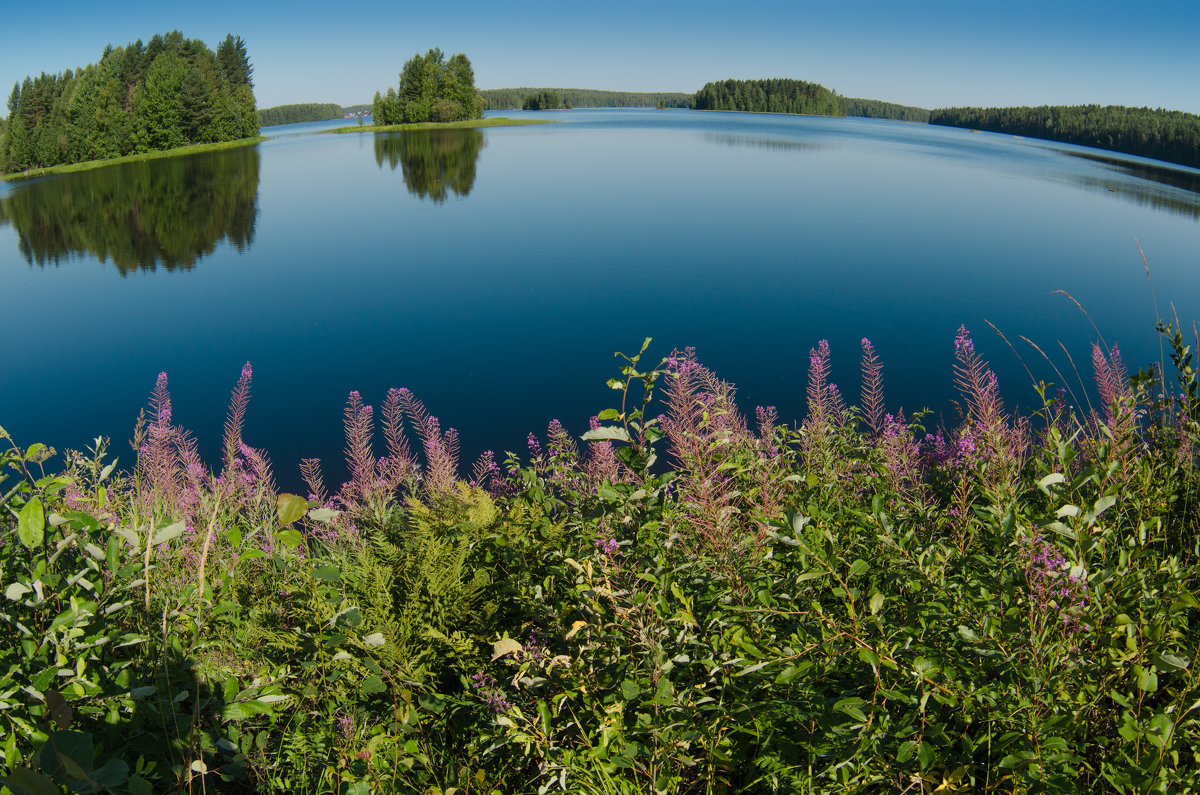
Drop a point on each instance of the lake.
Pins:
(495, 272)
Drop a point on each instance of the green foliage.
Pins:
(543, 100)
(777, 95)
(830, 607)
(1169, 135)
(878, 109)
(304, 111)
(171, 92)
(432, 88)
(503, 98)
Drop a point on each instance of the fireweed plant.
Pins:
(689, 598)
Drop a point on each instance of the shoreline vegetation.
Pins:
(852, 602)
(87, 165)
(162, 95)
(465, 124)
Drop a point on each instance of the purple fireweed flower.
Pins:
(491, 693)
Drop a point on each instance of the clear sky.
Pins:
(931, 53)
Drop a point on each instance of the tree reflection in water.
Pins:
(434, 162)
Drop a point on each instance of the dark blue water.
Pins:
(494, 272)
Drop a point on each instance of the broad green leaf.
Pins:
(906, 751)
(859, 566)
(16, 591)
(607, 432)
(290, 507)
(289, 537)
(167, 533)
(1147, 679)
(374, 639)
(1170, 662)
(630, 690)
(505, 646)
(876, 603)
(323, 514)
(23, 781)
(111, 775)
(1051, 480)
(608, 414)
(328, 573)
(31, 524)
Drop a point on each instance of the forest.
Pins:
(432, 88)
(507, 98)
(776, 95)
(1169, 135)
(878, 109)
(546, 99)
(303, 111)
(167, 93)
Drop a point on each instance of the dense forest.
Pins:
(777, 95)
(168, 213)
(1170, 135)
(546, 99)
(878, 109)
(506, 98)
(432, 88)
(139, 98)
(304, 111)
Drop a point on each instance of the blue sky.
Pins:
(931, 53)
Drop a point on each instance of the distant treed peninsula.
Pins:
(777, 95)
(1169, 135)
(140, 98)
(512, 98)
(878, 109)
(300, 112)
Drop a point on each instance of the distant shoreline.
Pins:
(442, 125)
(88, 165)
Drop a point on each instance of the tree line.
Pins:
(511, 98)
(546, 99)
(303, 111)
(432, 88)
(775, 95)
(1169, 135)
(878, 109)
(167, 93)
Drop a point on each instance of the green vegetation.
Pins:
(505, 98)
(140, 215)
(432, 88)
(851, 604)
(305, 111)
(169, 93)
(1169, 135)
(878, 109)
(776, 95)
(494, 121)
(544, 100)
(89, 165)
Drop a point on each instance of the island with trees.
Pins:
(775, 95)
(432, 88)
(168, 93)
(545, 99)
(1169, 135)
(878, 109)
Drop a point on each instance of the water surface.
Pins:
(495, 271)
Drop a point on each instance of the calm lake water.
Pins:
(494, 272)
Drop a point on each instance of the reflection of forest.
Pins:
(1184, 201)
(169, 212)
(432, 161)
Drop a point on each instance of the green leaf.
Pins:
(925, 754)
(1051, 480)
(374, 639)
(323, 514)
(31, 524)
(289, 508)
(111, 775)
(241, 710)
(328, 573)
(505, 646)
(289, 537)
(906, 751)
(167, 533)
(606, 433)
(630, 690)
(1147, 679)
(68, 753)
(15, 591)
(859, 566)
(876, 603)
(373, 685)
(608, 414)
(1170, 663)
(23, 781)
